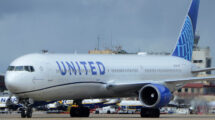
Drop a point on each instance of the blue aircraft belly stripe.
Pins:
(59, 86)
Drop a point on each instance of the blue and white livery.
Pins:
(185, 42)
(42, 78)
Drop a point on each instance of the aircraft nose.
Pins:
(11, 82)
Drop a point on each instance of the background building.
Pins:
(100, 51)
(201, 58)
(118, 50)
(2, 84)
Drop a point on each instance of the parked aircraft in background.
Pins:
(129, 106)
(38, 79)
(11, 104)
(99, 103)
(90, 103)
(63, 105)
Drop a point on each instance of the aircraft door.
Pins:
(49, 73)
(39, 77)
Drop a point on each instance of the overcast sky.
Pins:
(66, 26)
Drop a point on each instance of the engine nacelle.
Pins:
(154, 95)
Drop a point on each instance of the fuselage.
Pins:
(82, 76)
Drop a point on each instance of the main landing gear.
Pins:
(150, 112)
(26, 110)
(79, 111)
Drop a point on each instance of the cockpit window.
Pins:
(32, 68)
(29, 68)
(10, 68)
(21, 68)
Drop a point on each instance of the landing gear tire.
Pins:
(23, 114)
(29, 112)
(150, 113)
(79, 112)
(26, 113)
(108, 112)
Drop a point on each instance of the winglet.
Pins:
(185, 41)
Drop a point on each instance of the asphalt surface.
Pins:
(42, 116)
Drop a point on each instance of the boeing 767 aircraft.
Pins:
(37, 79)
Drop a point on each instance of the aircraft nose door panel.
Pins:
(38, 77)
(48, 72)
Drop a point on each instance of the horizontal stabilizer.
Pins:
(203, 70)
(191, 79)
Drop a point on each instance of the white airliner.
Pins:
(37, 79)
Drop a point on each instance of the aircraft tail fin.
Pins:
(185, 41)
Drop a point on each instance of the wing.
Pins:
(172, 84)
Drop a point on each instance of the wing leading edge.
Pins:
(170, 83)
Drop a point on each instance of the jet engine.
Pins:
(154, 95)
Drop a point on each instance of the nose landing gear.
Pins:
(26, 110)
